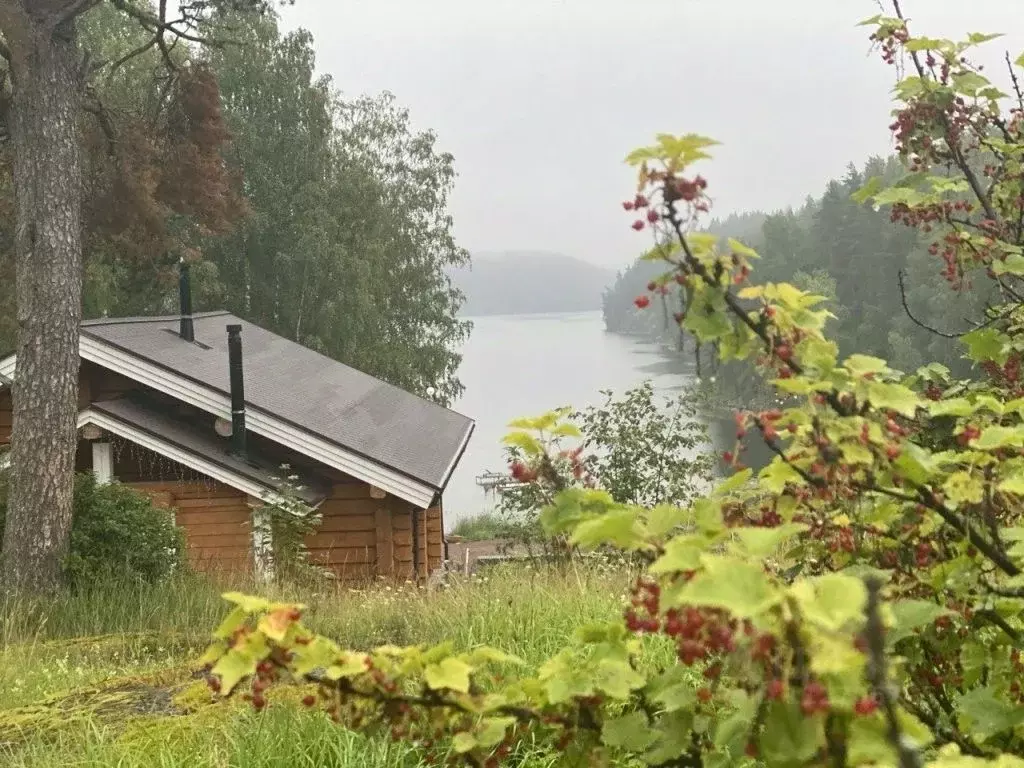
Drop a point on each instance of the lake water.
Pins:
(523, 365)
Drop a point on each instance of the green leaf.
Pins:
(682, 553)
(869, 190)
(737, 585)
(977, 38)
(995, 436)
(985, 712)
(777, 474)
(831, 601)
(986, 344)
(862, 365)
(790, 738)
(1019, 61)
(665, 518)
(235, 619)
(964, 488)
(674, 689)
(910, 615)
(240, 662)
(463, 742)
(565, 429)
(707, 324)
(743, 250)
(524, 440)
(893, 397)
(1014, 483)
(869, 742)
(955, 406)
(617, 527)
(486, 655)
(616, 678)
(762, 542)
(492, 731)
(451, 673)
(246, 602)
(1013, 265)
(708, 515)
(629, 732)
(970, 82)
(319, 652)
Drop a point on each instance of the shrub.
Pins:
(638, 447)
(861, 600)
(483, 527)
(116, 533)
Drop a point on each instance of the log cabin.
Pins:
(210, 416)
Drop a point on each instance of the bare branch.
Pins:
(1016, 82)
(921, 323)
(116, 65)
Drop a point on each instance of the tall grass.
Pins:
(112, 632)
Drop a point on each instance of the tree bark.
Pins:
(44, 131)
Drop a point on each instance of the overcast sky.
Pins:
(539, 100)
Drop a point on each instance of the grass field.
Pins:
(107, 677)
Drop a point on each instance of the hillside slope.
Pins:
(527, 282)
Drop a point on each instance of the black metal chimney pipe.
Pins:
(238, 446)
(187, 330)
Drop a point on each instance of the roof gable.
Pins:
(324, 409)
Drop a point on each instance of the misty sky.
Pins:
(539, 100)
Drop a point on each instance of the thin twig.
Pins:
(1016, 82)
(921, 323)
(875, 635)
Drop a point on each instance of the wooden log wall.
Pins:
(362, 538)
(215, 519)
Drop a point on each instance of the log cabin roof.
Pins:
(324, 409)
(171, 432)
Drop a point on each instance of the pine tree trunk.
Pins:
(43, 126)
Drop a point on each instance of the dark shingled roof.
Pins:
(206, 444)
(349, 408)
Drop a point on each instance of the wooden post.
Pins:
(424, 546)
(385, 542)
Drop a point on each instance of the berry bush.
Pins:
(859, 601)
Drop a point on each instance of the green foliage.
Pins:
(641, 448)
(281, 526)
(860, 601)
(483, 527)
(116, 533)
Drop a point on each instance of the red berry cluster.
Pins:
(639, 203)
(814, 698)
(522, 472)
(889, 39)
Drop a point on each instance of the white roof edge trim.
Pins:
(174, 453)
(257, 421)
(458, 454)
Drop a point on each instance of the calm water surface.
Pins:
(523, 365)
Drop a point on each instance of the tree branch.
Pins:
(958, 158)
(875, 635)
(71, 10)
(921, 323)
